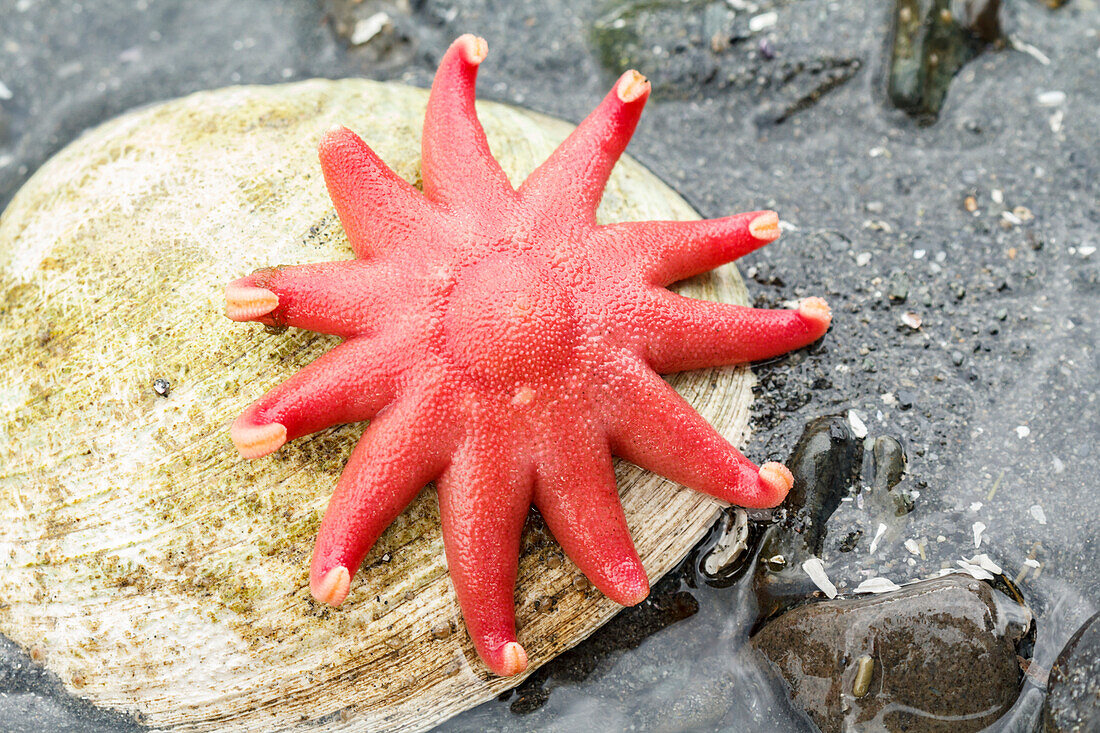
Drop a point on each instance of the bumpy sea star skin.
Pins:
(504, 345)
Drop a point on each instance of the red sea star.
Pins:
(504, 345)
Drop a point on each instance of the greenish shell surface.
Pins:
(142, 560)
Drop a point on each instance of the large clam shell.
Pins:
(142, 560)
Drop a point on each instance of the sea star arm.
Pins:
(402, 449)
(457, 167)
(576, 494)
(684, 333)
(337, 298)
(569, 185)
(653, 427)
(379, 210)
(348, 384)
(668, 251)
(484, 496)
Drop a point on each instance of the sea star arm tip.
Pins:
(817, 314)
(256, 441)
(513, 659)
(332, 587)
(779, 480)
(473, 48)
(632, 87)
(245, 302)
(764, 226)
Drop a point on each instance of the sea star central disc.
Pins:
(505, 345)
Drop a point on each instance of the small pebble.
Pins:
(865, 670)
(899, 287)
(161, 387)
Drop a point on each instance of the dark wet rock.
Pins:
(888, 460)
(825, 463)
(943, 657)
(1073, 700)
(887, 468)
(933, 39)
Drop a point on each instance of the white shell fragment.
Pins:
(981, 567)
(763, 21)
(816, 570)
(158, 572)
(1038, 514)
(877, 585)
(878, 536)
(978, 528)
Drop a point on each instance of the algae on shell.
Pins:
(157, 571)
